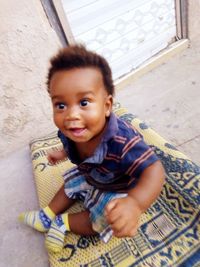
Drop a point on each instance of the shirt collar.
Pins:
(111, 128)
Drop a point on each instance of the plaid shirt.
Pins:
(119, 159)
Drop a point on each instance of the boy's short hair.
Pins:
(77, 56)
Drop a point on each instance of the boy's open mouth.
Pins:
(77, 131)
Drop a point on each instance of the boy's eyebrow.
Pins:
(55, 96)
(79, 94)
(86, 93)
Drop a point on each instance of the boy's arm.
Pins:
(149, 186)
(123, 214)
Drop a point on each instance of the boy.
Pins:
(117, 175)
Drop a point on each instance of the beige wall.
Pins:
(194, 19)
(26, 43)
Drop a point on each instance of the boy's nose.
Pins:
(72, 114)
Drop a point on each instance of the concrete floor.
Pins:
(167, 98)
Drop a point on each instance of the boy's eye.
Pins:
(60, 106)
(84, 102)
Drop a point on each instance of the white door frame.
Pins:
(181, 7)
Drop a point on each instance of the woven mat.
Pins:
(169, 234)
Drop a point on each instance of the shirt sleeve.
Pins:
(136, 155)
(63, 140)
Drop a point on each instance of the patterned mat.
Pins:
(169, 234)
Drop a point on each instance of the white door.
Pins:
(126, 33)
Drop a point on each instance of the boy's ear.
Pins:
(108, 105)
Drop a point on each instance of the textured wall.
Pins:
(26, 43)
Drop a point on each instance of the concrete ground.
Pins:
(167, 98)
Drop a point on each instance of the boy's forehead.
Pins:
(79, 77)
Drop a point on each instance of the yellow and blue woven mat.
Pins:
(169, 234)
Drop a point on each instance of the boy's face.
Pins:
(80, 103)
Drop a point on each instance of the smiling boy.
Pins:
(117, 176)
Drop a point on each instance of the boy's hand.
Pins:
(51, 158)
(123, 216)
(54, 156)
